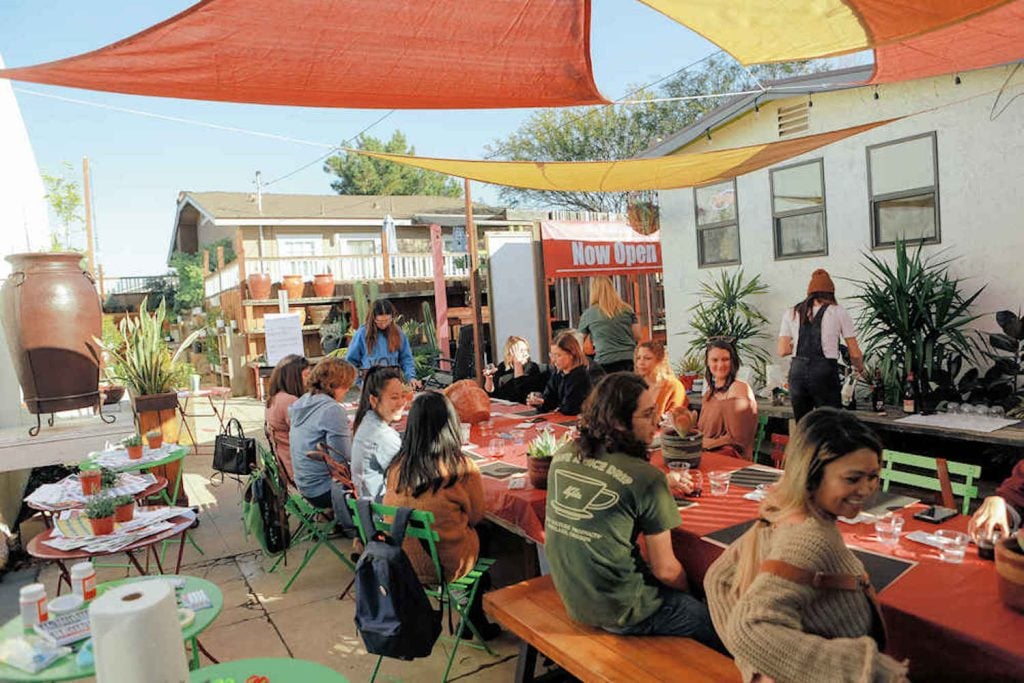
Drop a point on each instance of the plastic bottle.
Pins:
(32, 602)
(83, 580)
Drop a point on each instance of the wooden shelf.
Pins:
(296, 302)
(305, 329)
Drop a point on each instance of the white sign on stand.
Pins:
(283, 335)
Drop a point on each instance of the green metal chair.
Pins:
(966, 488)
(314, 526)
(762, 428)
(456, 595)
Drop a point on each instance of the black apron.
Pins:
(813, 379)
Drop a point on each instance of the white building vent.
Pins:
(793, 119)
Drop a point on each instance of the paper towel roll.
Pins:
(136, 636)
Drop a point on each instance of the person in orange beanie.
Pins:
(810, 332)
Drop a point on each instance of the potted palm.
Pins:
(539, 454)
(100, 512)
(124, 508)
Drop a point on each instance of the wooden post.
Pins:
(384, 250)
(88, 217)
(474, 288)
(206, 262)
(440, 292)
(103, 296)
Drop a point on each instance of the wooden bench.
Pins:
(534, 612)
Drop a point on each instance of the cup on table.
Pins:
(486, 427)
(518, 437)
(496, 448)
(719, 482)
(534, 398)
(954, 545)
(888, 529)
(677, 470)
(464, 429)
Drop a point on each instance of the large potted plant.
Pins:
(724, 309)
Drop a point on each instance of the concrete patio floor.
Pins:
(309, 622)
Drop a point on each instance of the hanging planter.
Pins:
(642, 211)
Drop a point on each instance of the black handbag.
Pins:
(234, 453)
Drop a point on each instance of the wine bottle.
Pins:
(909, 398)
(878, 392)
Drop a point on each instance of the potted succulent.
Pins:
(539, 454)
(133, 444)
(100, 512)
(90, 477)
(689, 368)
(332, 335)
(124, 508)
(155, 439)
(681, 440)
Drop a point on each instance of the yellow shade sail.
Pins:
(661, 173)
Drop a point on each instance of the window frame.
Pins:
(701, 261)
(873, 199)
(823, 209)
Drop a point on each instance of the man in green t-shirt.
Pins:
(602, 494)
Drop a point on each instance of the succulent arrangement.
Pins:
(133, 440)
(546, 444)
(123, 500)
(100, 507)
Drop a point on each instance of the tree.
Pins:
(64, 196)
(191, 282)
(363, 175)
(624, 131)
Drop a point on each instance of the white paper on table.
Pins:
(971, 423)
(283, 336)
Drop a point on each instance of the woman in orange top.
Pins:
(651, 362)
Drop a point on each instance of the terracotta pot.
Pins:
(323, 284)
(124, 513)
(537, 470)
(1010, 573)
(155, 402)
(102, 526)
(294, 285)
(688, 379)
(134, 452)
(91, 481)
(259, 285)
(51, 313)
(318, 314)
(155, 441)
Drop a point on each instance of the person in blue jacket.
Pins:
(381, 342)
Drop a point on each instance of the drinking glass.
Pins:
(496, 448)
(697, 482)
(486, 428)
(464, 429)
(954, 545)
(719, 482)
(888, 529)
(518, 437)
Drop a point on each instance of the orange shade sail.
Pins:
(364, 54)
(661, 173)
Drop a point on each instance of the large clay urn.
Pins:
(323, 284)
(259, 285)
(51, 313)
(294, 285)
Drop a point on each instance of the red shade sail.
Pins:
(361, 54)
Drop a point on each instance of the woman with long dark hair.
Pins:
(789, 598)
(287, 383)
(376, 442)
(380, 342)
(728, 412)
(811, 331)
(602, 493)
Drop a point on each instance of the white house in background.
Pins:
(949, 171)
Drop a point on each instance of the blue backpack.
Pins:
(393, 613)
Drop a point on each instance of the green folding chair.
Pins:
(456, 595)
(314, 526)
(922, 477)
(762, 427)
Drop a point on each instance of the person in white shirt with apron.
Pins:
(813, 328)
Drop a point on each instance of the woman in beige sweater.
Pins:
(775, 622)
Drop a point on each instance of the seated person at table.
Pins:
(320, 427)
(569, 382)
(287, 383)
(651, 363)
(772, 618)
(1000, 514)
(376, 442)
(431, 473)
(516, 376)
(728, 411)
(602, 494)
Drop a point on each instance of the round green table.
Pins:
(272, 669)
(66, 668)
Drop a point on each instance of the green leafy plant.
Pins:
(123, 500)
(133, 440)
(363, 294)
(108, 478)
(99, 507)
(689, 364)
(546, 444)
(914, 317)
(724, 309)
(1001, 384)
(140, 356)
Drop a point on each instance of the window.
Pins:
(798, 210)
(718, 231)
(306, 247)
(904, 188)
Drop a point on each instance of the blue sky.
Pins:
(139, 164)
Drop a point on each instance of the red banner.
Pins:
(581, 249)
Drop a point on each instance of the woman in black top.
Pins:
(569, 383)
(516, 376)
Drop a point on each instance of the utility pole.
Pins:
(88, 217)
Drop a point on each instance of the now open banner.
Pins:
(581, 249)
